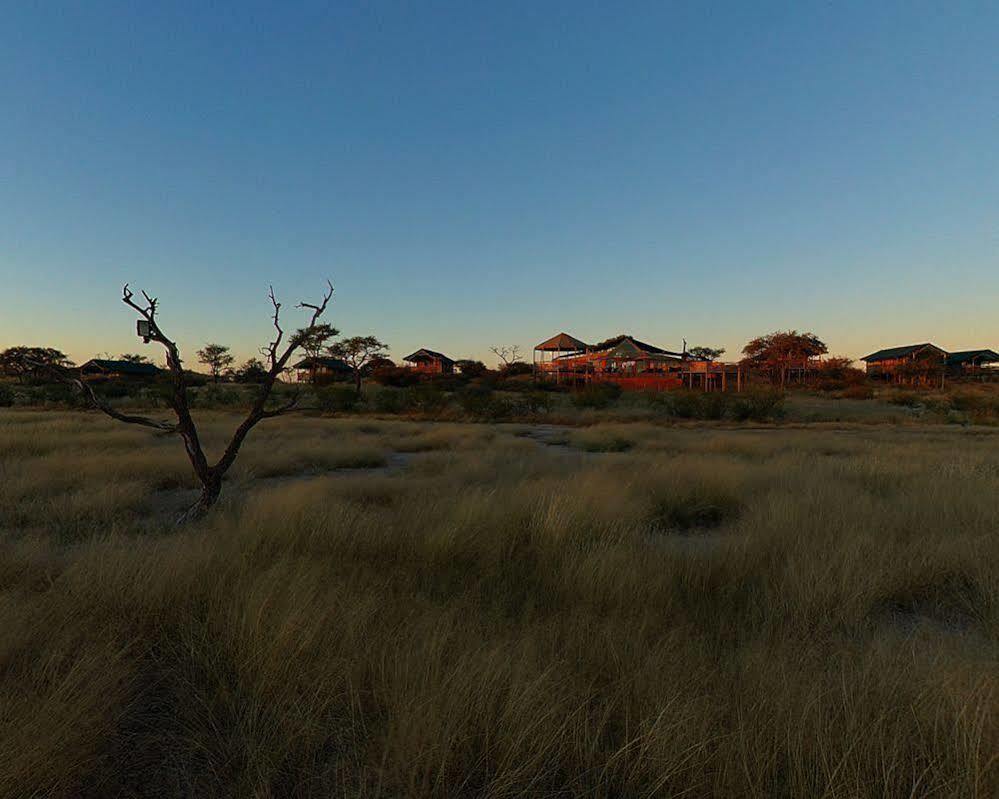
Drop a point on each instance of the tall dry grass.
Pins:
(700, 613)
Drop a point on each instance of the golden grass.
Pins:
(710, 613)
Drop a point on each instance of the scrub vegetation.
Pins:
(382, 607)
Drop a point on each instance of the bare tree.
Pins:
(357, 352)
(276, 357)
(507, 355)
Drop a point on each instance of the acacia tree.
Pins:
(217, 358)
(782, 350)
(705, 353)
(357, 352)
(313, 342)
(276, 356)
(133, 357)
(23, 362)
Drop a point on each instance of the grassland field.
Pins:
(385, 607)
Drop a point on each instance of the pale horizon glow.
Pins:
(473, 175)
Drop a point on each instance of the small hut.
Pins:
(429, 362)
(321, 370)
(913, 363)
(976, 364)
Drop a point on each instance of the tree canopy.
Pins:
(357, 352)
(705, 353)
(782, 350)
(19, 361)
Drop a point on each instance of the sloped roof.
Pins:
(120, 367)
(645, 347)
(333, 364)
(427, 355)
(899, 352)
(625, 346)
(562, 342)
(983, 356)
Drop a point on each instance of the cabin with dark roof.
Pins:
(915, 364)
(106, 369)
(973, 364)
(429, 362)
(320, 370)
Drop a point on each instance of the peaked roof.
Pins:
(121, 367)
(900, 352)
(333, 364)
(427, 355)
(562, 342)
(983, 356)
(624, 345)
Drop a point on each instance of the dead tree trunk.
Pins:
(209, 475)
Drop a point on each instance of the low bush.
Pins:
(423, 398)
(215, 396)
(396, 376)
(600, 395)
(860, 391)
(337, 399)
(6, 396)
(758, 405)
(387, 400)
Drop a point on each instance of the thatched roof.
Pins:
(562, 342)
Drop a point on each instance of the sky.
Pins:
(479, 174)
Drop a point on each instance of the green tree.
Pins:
(357, 352)
(217, 358)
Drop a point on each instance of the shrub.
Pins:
(476, 401)
(424, 398)
(906, 399)
(597, 396)
(388, 401)
(860, 391)
(536, 402)
(396, 376)
(62, 395)
(758, 405)
(683, 404)
(215, 396)
(714, 405)
(337, 399)
(6, 396)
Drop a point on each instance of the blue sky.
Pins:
(471, 174)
